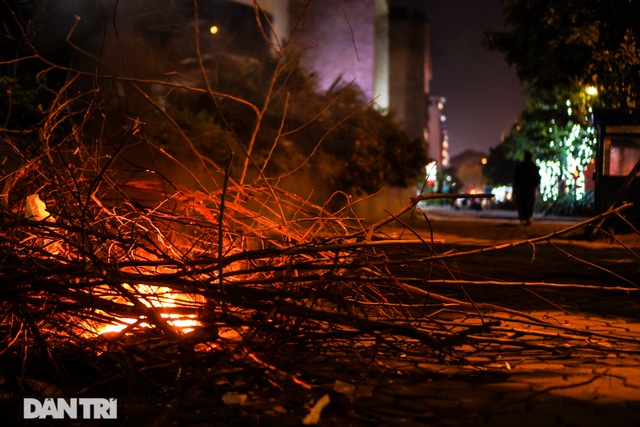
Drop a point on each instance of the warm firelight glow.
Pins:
(170, 305)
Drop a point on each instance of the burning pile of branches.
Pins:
(94, 254)
(112, 266)
(114, 277)
(95, 257)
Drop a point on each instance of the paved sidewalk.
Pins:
(522, 389)
(597, 384)
(502, 214)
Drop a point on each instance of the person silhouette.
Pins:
(526, 180)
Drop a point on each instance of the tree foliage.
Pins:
(574, 43)
(559, 49)
(500, 166)
(555, 128)
(336, 135)
(221, 96)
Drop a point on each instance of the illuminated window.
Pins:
(621, 150)
(621, 155)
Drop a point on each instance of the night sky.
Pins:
(484, 95)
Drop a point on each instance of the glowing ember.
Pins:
(178, 309)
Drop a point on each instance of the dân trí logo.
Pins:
(72, 408)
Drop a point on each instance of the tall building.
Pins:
(382, 46)
(345, 41)
(409, 69)
(437, 139)
(379, 45)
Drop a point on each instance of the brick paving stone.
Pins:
(539, 366)
(435, 403)
(479, 359)
(410, 390)
(632, 327)
(390, 415)
(577, 370)
(470, 398)
(565, 413)
(630, 372)
(544, 379)
(579, 414)
(441, 369)
(379, 400)
(603, 390)
(533, 415)
(511, 387)
(622, 360)
(418, 406)
(519, 419)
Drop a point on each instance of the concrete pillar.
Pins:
(337, 39)
(408, 68)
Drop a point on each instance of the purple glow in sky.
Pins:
(484, 95)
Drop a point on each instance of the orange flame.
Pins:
(178, 309)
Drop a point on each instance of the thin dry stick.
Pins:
(594, 265)
(414, 202)
(525, 284)
(221, 222)
(276, 46)
(276, 139)
(613, 237)
(544, 238)
(320, 140)
(185, 138)
(468, 305)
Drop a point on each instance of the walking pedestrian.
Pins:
(526, 180)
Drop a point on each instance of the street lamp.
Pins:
(591, 90)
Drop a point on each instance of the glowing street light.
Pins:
(591, 90)
(214, 29)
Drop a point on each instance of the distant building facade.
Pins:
(382, 46)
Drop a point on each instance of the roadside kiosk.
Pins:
(617, 169)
